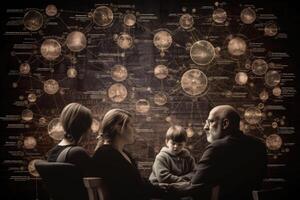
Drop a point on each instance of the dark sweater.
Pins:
(121, 177)
(76, 155)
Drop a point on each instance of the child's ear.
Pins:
(166, 141)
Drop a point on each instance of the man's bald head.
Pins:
(229, 113)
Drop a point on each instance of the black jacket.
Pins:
(121, 177)
(236, 163)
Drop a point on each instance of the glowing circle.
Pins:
(29, 142)
(119, 73)
(31, 97)
(237, 46)
(271, 29)
(272, 78)
(125, 41)
(264, 95)
(51, 10)
(202, 52)
(24, 68)
(51, 86)
(161, 71)
(50, 49)
(160, 99)
(274, 142)
(55, 129)
(248, 15)
(117, 92)
(186, 21)
(129, 19)
(259, 67)
(253, 115)
(27, 115)
(194, 82)
(76, 41)
(33, 20)
(276, 91)
(162, 40)
(219, 15)
(241, 78)
(103, 16)
(142, 106)
(72, 72)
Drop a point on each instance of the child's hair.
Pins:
(176, 133)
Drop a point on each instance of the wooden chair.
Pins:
(96, 188)
(269, 194)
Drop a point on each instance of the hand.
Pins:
(163, 185)
(180, 185)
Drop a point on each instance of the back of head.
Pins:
(113, 119)
(230, 113)
(76, 119)
(176, 133)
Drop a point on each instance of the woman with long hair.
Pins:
(114, 164)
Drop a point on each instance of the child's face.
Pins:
(175, 147)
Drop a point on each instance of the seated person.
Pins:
(76, 120)
(114, 164)
(174, 163)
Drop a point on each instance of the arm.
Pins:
(79, 157)
(162, 171)
(192, 169)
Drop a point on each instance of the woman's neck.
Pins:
(117, 144)
(65, 142)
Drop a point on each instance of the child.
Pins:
(174, 163)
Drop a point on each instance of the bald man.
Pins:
(233, 161)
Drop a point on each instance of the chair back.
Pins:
(63, 180)
(96, 188)
(269, 194)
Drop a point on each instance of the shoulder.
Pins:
(77, 151)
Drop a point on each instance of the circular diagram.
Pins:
(51, 10)
(274, 142)
(194, 82)
(241, 78)
(51, 86)
(186, 21)
(125, 41)
(76, 41)
(33, 20)
(272, 78)
(237, 46)
(50, 49)
(27, 115)
(162, 40)
(259, 67)
(248, 15)
(55, 129)
(103, 16)
(202, 52)
(253, 115)
(117, 92)
(29, 142)
(142, 106)
(160, 99)
(219, 15)
(24, 68)
(161, 71)
(129, 19)
(119, 73)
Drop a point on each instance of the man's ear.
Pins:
(225, 123)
